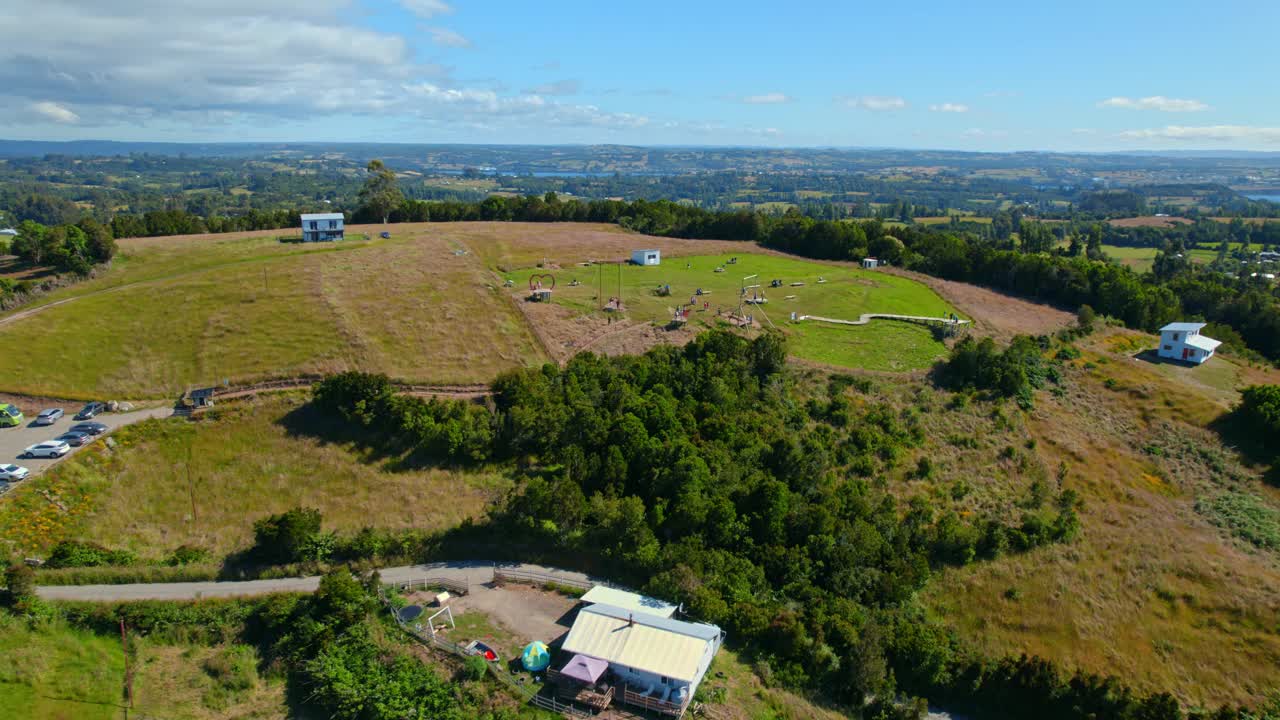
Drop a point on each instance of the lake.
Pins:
(1274, 197)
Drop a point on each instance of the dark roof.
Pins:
(201, 393)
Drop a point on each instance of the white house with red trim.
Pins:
(1183, 341)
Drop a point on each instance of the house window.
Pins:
(662, 680)
(333, 224)
(1168, 347)
(314, 224)
(1176, 337)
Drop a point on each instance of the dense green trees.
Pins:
(1260, 412)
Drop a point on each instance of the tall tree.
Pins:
(380, 194)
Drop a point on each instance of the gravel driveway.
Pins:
(16, 439)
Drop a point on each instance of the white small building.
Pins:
(1183, 341)
(646, 257)
(870, 263)
(322, 227)
(605, 595)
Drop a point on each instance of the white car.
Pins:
(49, 417)
(47, 449)
(13, 473)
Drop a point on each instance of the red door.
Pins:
(1184, 353)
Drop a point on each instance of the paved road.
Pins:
(16, 439)
(472, 572)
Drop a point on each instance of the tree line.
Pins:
(699, 474)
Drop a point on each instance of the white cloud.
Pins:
(950, 108)
(773, 98)
(559, 87)
(55, 112)
(427, 8)
(1236, 134)
(875, 103)
(447, 37)
(983, 133)
(1155, 102)
(486, 106)
(1083, 131)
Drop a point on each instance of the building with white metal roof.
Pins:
(1183, 341)
(658, 661)
(628, 601)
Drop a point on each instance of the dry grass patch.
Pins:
(1152, 592)
(245, 460)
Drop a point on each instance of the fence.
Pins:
(501, 574)
(454, 586)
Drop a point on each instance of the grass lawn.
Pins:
(846, 294)
(195, 310)
(251, 459)
(58, 672)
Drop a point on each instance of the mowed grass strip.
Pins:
(408, 306)
(846, 294)
(245, 460)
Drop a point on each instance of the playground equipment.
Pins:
(720, 268)
(821, 280)
(733, 261)
(663, 290)
(680, 316)
(538, 291)
(574, 283)
(775, 283)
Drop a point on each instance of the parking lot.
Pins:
(16, 439)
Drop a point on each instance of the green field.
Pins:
(1141, 259)
(247, 460)
(55, 672)
(181, 311)
(846, 294)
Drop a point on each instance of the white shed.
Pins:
(646, 257)
(1183, 341)
(870, 263)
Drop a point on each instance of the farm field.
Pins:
(846, 294)
(179, 311)
(1160, 588)
(58, 672)
(1141, 259)
(246, 459)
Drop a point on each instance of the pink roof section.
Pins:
(584, 668)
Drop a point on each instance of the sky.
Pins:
(983, 75)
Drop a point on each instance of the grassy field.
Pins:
(253, 458)
(1155, 590)
(1141, 259)
(846, 294)
(178, 311)
(56, 672)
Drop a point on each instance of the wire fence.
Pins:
(501, 574)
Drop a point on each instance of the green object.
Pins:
(10, 416)
(536, 657)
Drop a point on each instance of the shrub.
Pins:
(476, 667)
(186, 555)
(73, 553)
(21, 581)
(285, 537)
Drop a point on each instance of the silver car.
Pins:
(13, 473)
(50, 416)
(47, 449)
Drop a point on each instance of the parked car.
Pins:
(384, 234)
(93, 428)
(13, 473)
(10, 416)
(91, 410)
(75, 438)
(47, 449)
(50, 416)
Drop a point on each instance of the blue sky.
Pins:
(1125, 74)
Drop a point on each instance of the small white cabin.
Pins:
(870, 263)
(1183, 341)
(322, 227)
(646, 257)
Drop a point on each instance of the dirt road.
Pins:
(471, 572)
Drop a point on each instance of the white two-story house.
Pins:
(322, 227)
(1183, 341)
